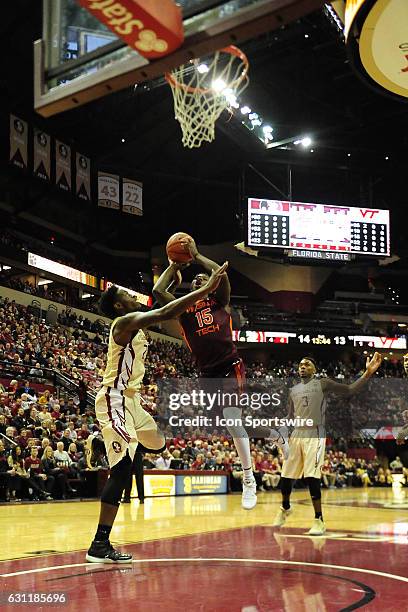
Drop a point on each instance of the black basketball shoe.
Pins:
(103, 552)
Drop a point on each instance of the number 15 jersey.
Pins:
(207, 330)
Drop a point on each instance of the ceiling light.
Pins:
(123, 140)
(6, 267)
(306, 142)
(218, 85)
(312, 150)
(348, 154)
(44, 281)
(306, 35)
(253, 116)
(267, 129)
(256, 122)
(202, 68)
(245, 110)
(85, 296)
(386, 157)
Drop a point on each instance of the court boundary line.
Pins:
(189, 535)
(216, 560)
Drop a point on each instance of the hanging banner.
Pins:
(62, 166)
(108, 190)
(83, 177)
(42, 155)
(18, 142)
(132, 197)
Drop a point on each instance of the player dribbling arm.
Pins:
(331, 386)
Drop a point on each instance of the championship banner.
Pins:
(108, 190)
(42, 155)
(18, 142)
(132, 197)
(153, 28)
(83, 177)
(62, 166)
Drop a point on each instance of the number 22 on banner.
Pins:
(132, 197)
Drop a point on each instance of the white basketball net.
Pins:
(203, 90)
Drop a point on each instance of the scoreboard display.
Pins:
(283, 337)
(318, 227)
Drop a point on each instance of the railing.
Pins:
(54, 377)
(3, 436)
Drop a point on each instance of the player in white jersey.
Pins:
(124, 423)
(403, 433)
(307, 400)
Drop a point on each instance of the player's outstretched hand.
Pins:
(373, 364)
(215, 278)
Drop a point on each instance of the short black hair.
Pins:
(106, 304)
(312, 359)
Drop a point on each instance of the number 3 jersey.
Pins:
(125, 366)
(309, 401)
(207, 331)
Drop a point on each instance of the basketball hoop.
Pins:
(202, 90)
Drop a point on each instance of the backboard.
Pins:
(78, 59)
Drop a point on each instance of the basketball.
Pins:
(176, 250)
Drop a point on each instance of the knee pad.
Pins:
(112, 491)
(152, 451)
(286, 485)
(314, 488)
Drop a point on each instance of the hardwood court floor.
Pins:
(206, 553)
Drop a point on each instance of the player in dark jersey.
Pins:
(207, 331)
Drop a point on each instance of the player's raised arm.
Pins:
(223, 292)
(167, 283)
(330, 386)
(136, 320)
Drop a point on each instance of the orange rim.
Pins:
(232, 50)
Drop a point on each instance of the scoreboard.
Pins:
(318, 227)
(283, 337)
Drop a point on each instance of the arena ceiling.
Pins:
(300, 80)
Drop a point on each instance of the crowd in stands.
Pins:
(43, 451)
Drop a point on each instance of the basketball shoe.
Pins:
(249, 499)
(282, 515)
(103, 552)
(318, 527)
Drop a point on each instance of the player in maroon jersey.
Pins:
(207, 331)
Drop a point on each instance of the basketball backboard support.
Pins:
(79, 60)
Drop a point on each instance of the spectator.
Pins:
(38, 480)
(61, 455)
(66, 438)
(396, 465)
(50, 468)
(163, 461)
